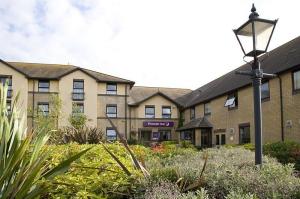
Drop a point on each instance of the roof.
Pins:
(139, 94)
(57, 71)
(279, 60)
(196, 123)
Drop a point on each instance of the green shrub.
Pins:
(83, 135)
(186, 144)
(285, 152)
(166, 143)
(96, 173)
(231, 170)
(22, 161)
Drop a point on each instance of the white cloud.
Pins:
(174, 43)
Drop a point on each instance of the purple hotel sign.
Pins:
(158, 124)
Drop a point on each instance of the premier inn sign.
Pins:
(158, 124)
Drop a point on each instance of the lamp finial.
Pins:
(253, 14)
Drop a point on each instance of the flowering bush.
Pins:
(230, 170)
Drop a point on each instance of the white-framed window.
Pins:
(111, 89)
(265, 91)
(296, 81)
(43, 108)
(8, 80)
(220, 139)
(192, 113)
(111, 110)
(111, 134)
(78, 108)
(43, 86)
(232, 101)
(207, 108)
(78, 90)
(166, 112)
(149, 111)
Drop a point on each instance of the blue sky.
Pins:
(170, 43)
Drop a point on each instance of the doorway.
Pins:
(220, 139)
(145, 136)
(244, 134)
(206, 138)
(164, 135)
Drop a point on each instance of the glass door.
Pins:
(244, 134)
(206, 138)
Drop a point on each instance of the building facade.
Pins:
(220, 112)
(225, 105)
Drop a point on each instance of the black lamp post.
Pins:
(254, 37)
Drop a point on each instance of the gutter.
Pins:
(281, 109)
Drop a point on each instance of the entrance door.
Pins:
(188, 136)
(145, 137)
(245, 134)
(164, 135)
(206, 139)
(220, 139)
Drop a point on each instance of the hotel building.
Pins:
(220, 112)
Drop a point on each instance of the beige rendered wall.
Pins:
(19, 85)
(120, 88)
(90, 102)
(137, 114)
(158, 101)
(54, 85)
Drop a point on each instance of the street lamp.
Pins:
(254, 37)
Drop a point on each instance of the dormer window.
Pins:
(232, 101)
(192, 113)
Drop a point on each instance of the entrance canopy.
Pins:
(196, 124)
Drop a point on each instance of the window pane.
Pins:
(6, 79)
(207, 108)
(78, 108)
(44, 84)
(78, 84)
(265, 91)
(296, 80)
(217, 139)
(244, 135)
(111, 135)
(223, 139)
(76, 90)
(192, 113)
(166, 110)
(111, 87)
(111, 111)
(230, 102)
(43, 108)
(150, 110)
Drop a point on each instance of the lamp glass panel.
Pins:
(263, 33)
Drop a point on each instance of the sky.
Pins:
(166, 43)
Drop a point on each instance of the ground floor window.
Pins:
(164, 135)
(161, 135)
(244, 134)
(220, 139)
(186, 135)
(111, 134)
